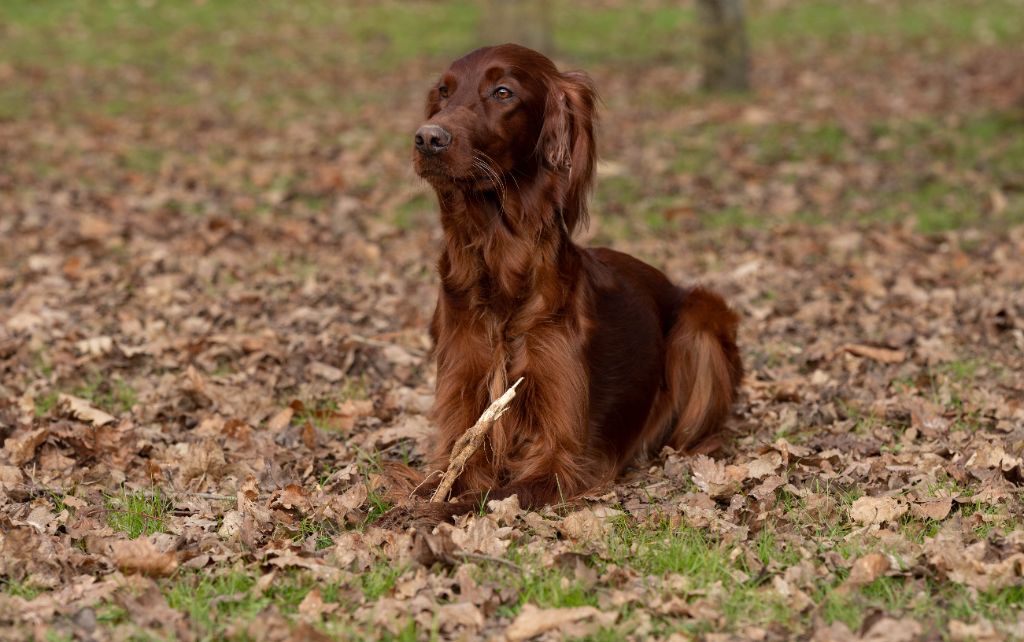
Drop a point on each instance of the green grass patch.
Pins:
(20, 588)
(137, 513)
(380, 579)
(323, 532)
(112, 395)
(46, 402)
(996, 21)
(924, 599)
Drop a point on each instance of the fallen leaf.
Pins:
(312, 607)
(142, 556)
(867, 569)
(935, 509)
(883, 355)
(280, 420)
(715, 478)
(505, 511)
(83, 410)
(96, 346)
(460, 615)
(22, 448)
(11, 475)
(588, 524)
(876, 510)
(980, 631)
(327, 372)
(890, 629)
(533, 621)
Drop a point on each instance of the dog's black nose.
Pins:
(432, 139)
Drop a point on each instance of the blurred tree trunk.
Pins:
(725, 53)
(525, 22)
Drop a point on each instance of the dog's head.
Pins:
(505, 116)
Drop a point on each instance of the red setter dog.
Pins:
(616, 360)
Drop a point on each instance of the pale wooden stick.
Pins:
(470, 441)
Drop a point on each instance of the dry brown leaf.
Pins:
(326, 372)
(280, 420)
(83, 410)
(95, 346)
(937, 509)
(339, 506)
(980, 631)
(142, 556)
(927, 418)
(505, 511)
(289, 559)
(414, 427)
(977, 565)
(312, 607)
(588, 524)
(764, 465)
(533, 621)
(481, 535)
(883, 355)
(767, 487)
(21, 449)
(836, 632)
(876, 510)
(291, 496)
(462, 615)
(11, 475)
(889, 629)
(797, 599)
(867, 569)
(231, 523)
(715, 478)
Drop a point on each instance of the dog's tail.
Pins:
(703, 370)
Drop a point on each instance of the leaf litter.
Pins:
(205, 369)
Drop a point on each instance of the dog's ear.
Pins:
(567, 142)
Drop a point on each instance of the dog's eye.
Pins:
(502, 93)
(443, 91)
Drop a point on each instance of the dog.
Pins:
(616, 360)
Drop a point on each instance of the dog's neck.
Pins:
(500, 246)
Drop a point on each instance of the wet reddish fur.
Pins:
(617, 361)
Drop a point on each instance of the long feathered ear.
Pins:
(567, 142)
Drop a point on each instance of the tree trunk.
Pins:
(724, 50)
(524, 22)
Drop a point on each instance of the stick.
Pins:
(470, 440)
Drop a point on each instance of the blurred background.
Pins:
(716, 114)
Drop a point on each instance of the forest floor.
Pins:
(216, 271)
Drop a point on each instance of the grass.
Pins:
(992, 22)
(137, 513)
(101, 33)
(20, 588)
(216, 602)
(46, 402)
(323, 412)
(112, 395)
(380, 579)
(545, 587)
(323, 532)
(245, 49)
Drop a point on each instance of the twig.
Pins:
(470, 441)
(480, 557)
(422, 483)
